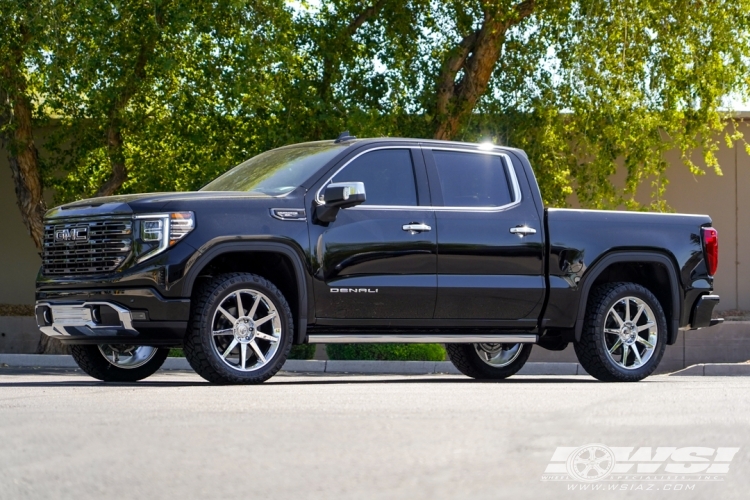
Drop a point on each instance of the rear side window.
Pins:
(388, 175)
(473, 179)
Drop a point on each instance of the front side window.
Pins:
(388, 175)
(473, 179)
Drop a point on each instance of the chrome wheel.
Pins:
(498, 355)
(630, 333)
(246, 338)
(127, 356)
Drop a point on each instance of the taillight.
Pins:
(711, 249)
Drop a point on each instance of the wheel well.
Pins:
(273, 266)
(651, 275)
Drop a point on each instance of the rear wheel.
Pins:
(488, 361)
(119, 362)
(624, 333)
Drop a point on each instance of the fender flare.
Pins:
(216, 248)
(625, 256)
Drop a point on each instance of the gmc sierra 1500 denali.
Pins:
(376, 240)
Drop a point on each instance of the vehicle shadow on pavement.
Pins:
(283, 379)
(431, 380)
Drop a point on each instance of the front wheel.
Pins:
(624, 333)
(119, 363)
(488, 361)
(241, 330)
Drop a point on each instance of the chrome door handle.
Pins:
(522, 230)
(416, 228)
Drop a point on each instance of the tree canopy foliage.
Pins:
(159, 95)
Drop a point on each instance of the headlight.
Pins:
(154, 233)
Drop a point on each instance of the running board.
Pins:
(437, 338)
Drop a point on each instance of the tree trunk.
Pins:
(116, 160)
(133, 83)
(477, 54)
(17, 137)
(24, 165)
(23, 156)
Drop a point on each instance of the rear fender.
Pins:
(589, 279)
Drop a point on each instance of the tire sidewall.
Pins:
(90, 359)
(630, 290)
(482, 370)
(223, 289)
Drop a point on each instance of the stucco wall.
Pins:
(19, 260)
(726, 199)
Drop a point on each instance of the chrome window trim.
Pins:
(506, 159)
(517, 196)
(319, 193)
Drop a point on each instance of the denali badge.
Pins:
(354, 290)
(72, 234)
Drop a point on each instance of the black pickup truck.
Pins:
(374, 240)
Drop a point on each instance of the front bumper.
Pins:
(135, 317)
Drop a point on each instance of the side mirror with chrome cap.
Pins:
(339, 195)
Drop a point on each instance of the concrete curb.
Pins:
(714, 370)
(310, 366)
(382, 367)
(37, 361)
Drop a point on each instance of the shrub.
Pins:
(386, 352)
(302, 351)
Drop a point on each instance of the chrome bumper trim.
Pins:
(78, 316)
(336, 338)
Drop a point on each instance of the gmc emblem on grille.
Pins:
(72, 234)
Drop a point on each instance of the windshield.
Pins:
(276, 172)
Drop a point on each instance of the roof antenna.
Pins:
(344, 136)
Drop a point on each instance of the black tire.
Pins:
(199, 347)
(91, 360)
(468, 361)
(592, 349)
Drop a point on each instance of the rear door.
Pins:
(490, 238)
(370, 265)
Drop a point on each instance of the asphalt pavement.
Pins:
(64, 435)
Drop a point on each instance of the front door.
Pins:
(490, 265)
(377, 262)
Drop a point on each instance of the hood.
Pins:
(144, 203)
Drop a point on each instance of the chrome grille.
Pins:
(86, 245)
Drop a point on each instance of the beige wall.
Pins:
(19, 260)
(726, 199)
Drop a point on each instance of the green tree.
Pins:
(167, 94)
(163, 95)
(585, 87)
(109, 60)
